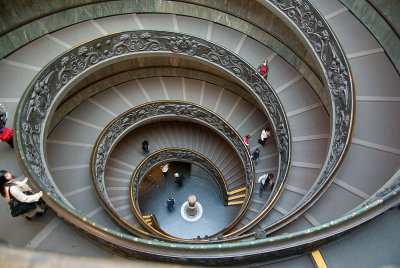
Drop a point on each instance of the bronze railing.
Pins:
(30, 136)
(44, 93)
(155, 111)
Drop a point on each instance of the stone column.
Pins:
(191, 209)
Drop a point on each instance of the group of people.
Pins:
(19, 196)
(179, 178)
(170, 200)
(265, 134)
(266, 179)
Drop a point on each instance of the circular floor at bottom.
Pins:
(215, 215)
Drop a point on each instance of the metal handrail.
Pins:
(157, 110)
(54, 81)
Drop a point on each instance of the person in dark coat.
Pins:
(179, 179)
(146, 147)
(255, 155)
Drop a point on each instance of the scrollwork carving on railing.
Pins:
(53, 81)
(29, 129)
(136, 116)
(316, 31)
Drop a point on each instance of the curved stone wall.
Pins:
(381, 18)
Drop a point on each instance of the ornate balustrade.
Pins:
(315, 31)
(52, 83)
(40, 99)
(155, 111)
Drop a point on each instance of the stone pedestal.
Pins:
(191, 208)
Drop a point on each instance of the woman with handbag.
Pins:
(20, 197)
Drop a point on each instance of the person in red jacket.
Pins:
(6, 135)
(263, 69)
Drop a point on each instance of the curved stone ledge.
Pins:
(223, 252)
(156, 111)
(170, 155)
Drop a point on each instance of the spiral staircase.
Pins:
(334, 151)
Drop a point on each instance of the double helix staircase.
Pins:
(373, 157)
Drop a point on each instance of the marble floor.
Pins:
(215, 215)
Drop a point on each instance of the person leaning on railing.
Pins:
(264, 180)
(20, 197)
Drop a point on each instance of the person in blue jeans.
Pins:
(264, 180)
(255, 155)
(170, 203)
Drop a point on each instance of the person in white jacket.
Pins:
(265, 134)
(17, 189)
